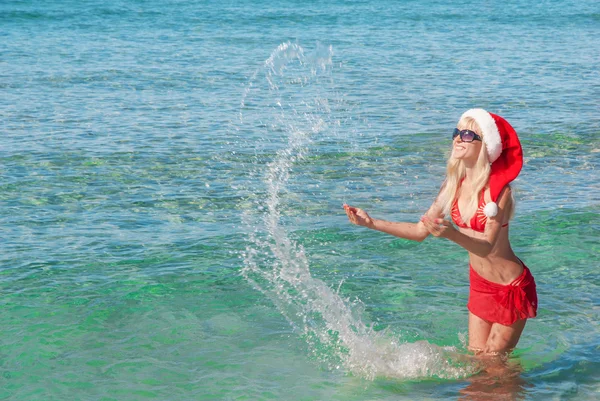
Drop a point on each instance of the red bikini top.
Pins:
(479, 219)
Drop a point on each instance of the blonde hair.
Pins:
(456, 171)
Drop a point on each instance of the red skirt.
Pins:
(504, 304)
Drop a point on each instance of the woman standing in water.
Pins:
(486, 157)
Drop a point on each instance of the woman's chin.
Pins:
(465, 156)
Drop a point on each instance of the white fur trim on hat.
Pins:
(489, 130)
(490, 209)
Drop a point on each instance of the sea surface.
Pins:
(172, 175)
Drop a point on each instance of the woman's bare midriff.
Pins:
(501, 265)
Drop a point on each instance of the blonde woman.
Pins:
(476, 195)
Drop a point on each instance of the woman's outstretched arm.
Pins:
(411, 231)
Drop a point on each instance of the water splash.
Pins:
(291, 102)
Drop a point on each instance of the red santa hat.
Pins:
(504, 152)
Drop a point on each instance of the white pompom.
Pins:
(490, 209)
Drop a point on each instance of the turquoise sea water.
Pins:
(172, 175)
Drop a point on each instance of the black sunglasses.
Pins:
(466, 135)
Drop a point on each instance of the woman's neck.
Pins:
(469, 173)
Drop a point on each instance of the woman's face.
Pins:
(467, 151)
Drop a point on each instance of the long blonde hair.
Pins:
(456, 171)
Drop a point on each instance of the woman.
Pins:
(486, 157)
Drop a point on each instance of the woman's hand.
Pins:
(358, 216)
(438, 227)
